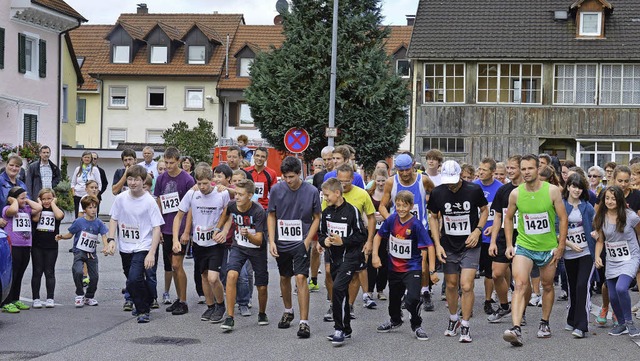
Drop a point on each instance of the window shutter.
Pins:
(22, 61)
(82, 111)
(234, 114)
(1, 48)
(30, 128)
(42, 58)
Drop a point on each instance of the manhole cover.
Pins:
(173, 341)
(19, 355)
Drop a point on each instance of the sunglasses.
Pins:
(593, 176)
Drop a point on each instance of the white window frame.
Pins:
(196, 61)
(515, 83)
(152, 133)
(598, 31)
(116, 131)
(157, 56)
(126, 96)
(440, 89)
(244, 111)
(186, 99)
(574, 91)
(34, 64)
(245, 64)
(624, 80)
(157, 90)
(408, 68)
(118, 52)
(606, 155)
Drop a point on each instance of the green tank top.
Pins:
(536, 219)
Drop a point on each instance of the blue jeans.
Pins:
(151, 276)
(139, 284)
(245, 284)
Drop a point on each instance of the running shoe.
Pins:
(346, 335)
(143, 318)
(544, 331)
(173, 305)
(452, 328)
(180, 309)
(337, 338)
(618, 330)
(244, 311)
(328, 317)
(313, 286)
(37, 303)
(465, 335)
(533, 301)
(352, 314)
(488, 308)
(427, 303)
(388, 326)
(285, 321)
(218, 313)
(202, 300)
(523, 321)
(79, 301)
(206, 316)
(369, 302)
(513, 336)
(601, 320)
(563, 296)
(10, 308)
(421, 334)
(304, 331)
(21, 306)
(568, 327)
(382, 296)
(49, 303)
(166, 299)
(263, 320)
(228, 324)
(632, 329)
(498, 315)
(90, 302)
(128, 306)
(154, 303)
(577, 333)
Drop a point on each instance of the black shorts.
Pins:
(362, 265)
(294, 262)
(501, 254)
(208, 258)
(485, 261)
(167, 252)
(238, 256)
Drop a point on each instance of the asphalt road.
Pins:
(106, 332)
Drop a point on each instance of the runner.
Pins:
(342, 155)
(463, 209)
(378, 276)
(434, 161)
(537, 204)
(294, 216)
(501, 173)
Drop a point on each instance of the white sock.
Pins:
(305, 322)
(465, 323)
(453, 317)
(288, 310)
(424, 289)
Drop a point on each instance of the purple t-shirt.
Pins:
(167, 185)
(18, 239)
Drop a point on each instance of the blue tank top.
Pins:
(419, 198)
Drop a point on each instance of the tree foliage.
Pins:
(290, 85)
(196, 142)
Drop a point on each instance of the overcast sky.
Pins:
(256, 12)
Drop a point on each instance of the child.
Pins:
(137, 217)
(148, 184)
(206, 205)
(85, 231)
(18, 214)
(247, 153)
(341, 230)
(44, 252)
(92, 190)
(407, 238)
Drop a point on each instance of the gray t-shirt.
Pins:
(623, 253)
(576, 235)
(294, 213)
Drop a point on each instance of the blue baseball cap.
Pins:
(403, 162)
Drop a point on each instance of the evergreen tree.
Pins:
(290, 85)
(196, 142)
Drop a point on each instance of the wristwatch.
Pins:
(480, 228)
(109, 240)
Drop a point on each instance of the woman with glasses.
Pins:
(595, 176)
(608, 173)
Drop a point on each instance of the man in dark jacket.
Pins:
(42, 173)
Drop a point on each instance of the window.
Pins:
(595, 152)
(159, 55)
(32, 55)
(445, 145)
(1, 48)
(65, 103)
(197, 54)
(245, 115)
(118, 96)
(121, 54)
(575, 83)
(155, 97)
(509, 83)
(154, 136)
(444, 83)
(590, 23)
(81, 116)
(402, 68)
(117, 136)
(194, 99)
(29, 54)
(620, 84)
(245, 64)
(30, 131)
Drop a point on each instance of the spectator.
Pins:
(42, 173)
(246, 153)
(81, 175)
(148, 163)
(103, 177)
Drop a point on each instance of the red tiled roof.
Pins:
(61, 7)
(89, 42)
(400, 36)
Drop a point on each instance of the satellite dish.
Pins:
(278, 20)
(282, 6)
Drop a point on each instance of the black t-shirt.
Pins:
(633, 199)
(43, 237)
(500, 204)
(255, 218)
(459, 213)
(318, 179)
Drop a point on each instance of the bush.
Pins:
(63, 193)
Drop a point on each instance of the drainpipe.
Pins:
(226, 62)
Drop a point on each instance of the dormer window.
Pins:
(590, 17)
(197, 54)
(121, 54)
(158, 55)
(590, 23)
(245, 64)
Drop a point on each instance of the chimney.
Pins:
(410, 19)
(143, 9)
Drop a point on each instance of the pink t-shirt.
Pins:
(19, 238)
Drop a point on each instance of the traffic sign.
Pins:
(296, 140)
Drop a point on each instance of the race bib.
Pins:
(515, 218)
(259, 189)
(244, 241)
(577, 236)
(379, 220)
(492, 213)
(47, 222)
(87, 242)
(290, 230)
(129, 233)
(457, 225)
(203, 236)
(618, 251)
(169, 202)
(536, 223)
(415, 211)
(22, 222)
(338, 228)
(400, 248)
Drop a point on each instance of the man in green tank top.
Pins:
(537, 204)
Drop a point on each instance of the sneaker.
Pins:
(304, 331)
(632, 329)
(369, 302)
(85, 281)
(90, 302)
(534, 300)
(498, 315)
(180, 309)
(313, 286)
(618, 330)
(228, 324)
(388, 326)
(143, 318)
(601, 320)
(206, 316)
(285, 321)
(337, 339)
(523, 322)
(263, 320)
(166, 299)
(135, 313)
(49, 303)
(513, 336)
(128, 306)
(452, 328)
(488, 308)
(568, 327)
(218, 313)
(543, 330)
(427, 303)
(37, 303)
(328, 317)
(154, 303)
(563, 296)
(173, 306)
(10, 308)
(421, 334)
(244, 311)
(465, 336)
(577, 333)
(352, 314)
(346, 335)
(21, 306)
(79, 302)
(202, 300)
(382, 296)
